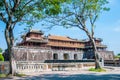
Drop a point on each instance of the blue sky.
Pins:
(107, 28)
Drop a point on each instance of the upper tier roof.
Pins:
(62, 38)
(36, 31)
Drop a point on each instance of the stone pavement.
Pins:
(113, 73)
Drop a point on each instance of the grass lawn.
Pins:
(3, 75)
(97, 70)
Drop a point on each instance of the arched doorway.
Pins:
(55, 56)
(66, 56)
(75, 57)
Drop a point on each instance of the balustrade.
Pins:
(22, 67)
(36, 66)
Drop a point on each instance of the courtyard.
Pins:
(112, 73)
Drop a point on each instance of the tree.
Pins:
(118, 54)
(83, 15)
(1, 57)
(0, 50)
(27, 12)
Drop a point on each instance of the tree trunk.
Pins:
(9, 41)
(95, 51)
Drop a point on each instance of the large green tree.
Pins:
(13, 12)
(82, 14)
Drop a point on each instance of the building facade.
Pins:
(37, 47)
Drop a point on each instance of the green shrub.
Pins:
(20, 75)
(97, 70)
(3, 75)
(1, 57)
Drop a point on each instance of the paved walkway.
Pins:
(113, 73)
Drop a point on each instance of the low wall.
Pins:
(49, 65)
(112, 63)
(36, 66)
(4, 67)
(69, 66)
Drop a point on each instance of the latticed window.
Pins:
(55, 56)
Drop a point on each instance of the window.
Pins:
(75, 57)
(55, 56)
(66, 56)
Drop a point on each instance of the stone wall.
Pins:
(112, 63)
(42, 54)
(22, 53)
(70, 54)
(106, 55)
(4, 67)
(31, 54)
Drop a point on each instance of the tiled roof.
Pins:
(32, 31)
(36, 31)
(63, 41)
(63, 38)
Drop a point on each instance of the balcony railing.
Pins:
(43, 40)
(68, 61)
(98, 45)
(31, 47)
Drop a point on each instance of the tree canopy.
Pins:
(82, 14)
(27, 12)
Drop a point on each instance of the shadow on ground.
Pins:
(91, 76)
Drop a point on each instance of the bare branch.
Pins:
(27, 3)
(12, 27)
(77, 17)
(3, 18)
(7, 9)
(16, 4)
(95, 19)
(10, 2)
(92, 21)
(75, 25)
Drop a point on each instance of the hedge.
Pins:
(1, 57)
